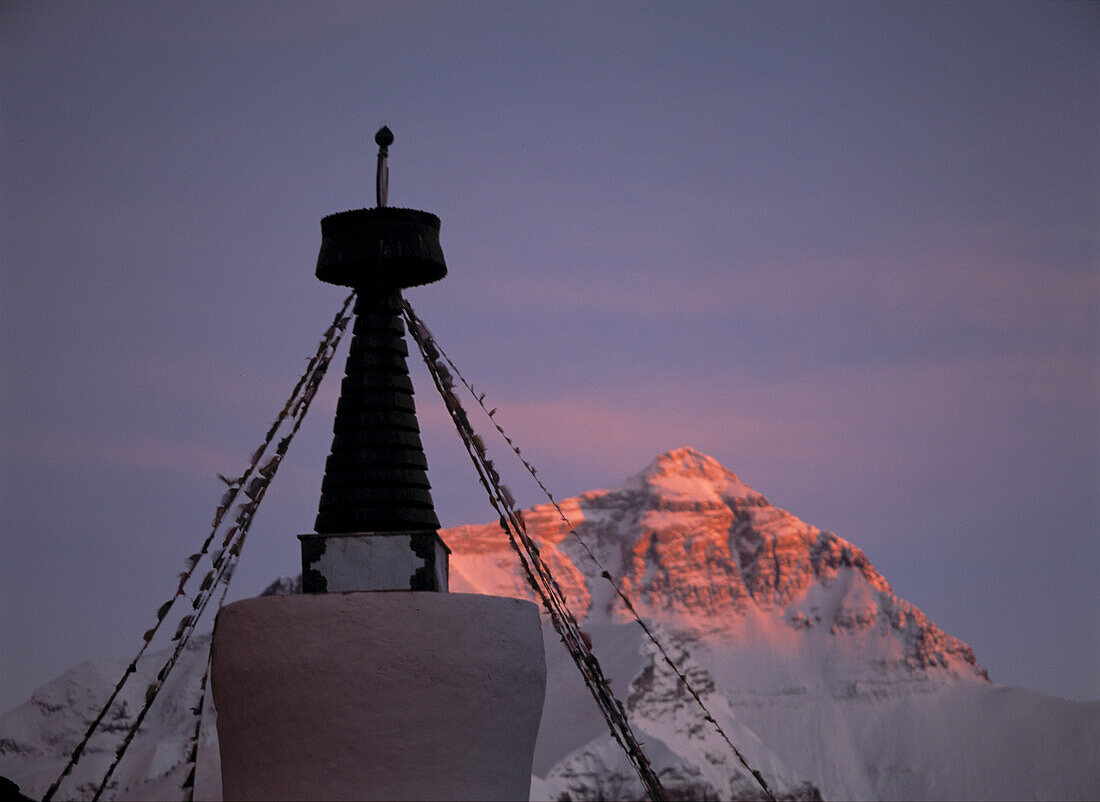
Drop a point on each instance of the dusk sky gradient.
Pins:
(852, 251)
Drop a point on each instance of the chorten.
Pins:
(373, 684)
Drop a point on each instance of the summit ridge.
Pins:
(684, 474)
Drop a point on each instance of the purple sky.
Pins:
(851, 251)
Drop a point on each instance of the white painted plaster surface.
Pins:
(395, 695)
(368, 562)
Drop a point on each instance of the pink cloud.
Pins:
(947, 276)
(862, 415)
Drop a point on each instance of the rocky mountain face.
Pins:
(708, 557)
(827, 682)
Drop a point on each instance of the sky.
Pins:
(849, 250)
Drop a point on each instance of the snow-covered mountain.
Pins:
(37, 738)
(826, 681)
(855, 689)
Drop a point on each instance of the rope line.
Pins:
(192, 759)
(224, 558)
(419, 330)
(538, 574)
(235, 538)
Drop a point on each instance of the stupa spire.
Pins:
(376, 524)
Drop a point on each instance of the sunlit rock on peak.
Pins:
(686, 475)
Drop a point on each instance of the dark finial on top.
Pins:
(384, 138)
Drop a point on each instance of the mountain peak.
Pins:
(686, 460)
(688, 475)
(702, 553)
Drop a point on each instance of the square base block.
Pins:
(374, 561)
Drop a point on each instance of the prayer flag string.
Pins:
(435, 357)
(224, 558)
(538, 574)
